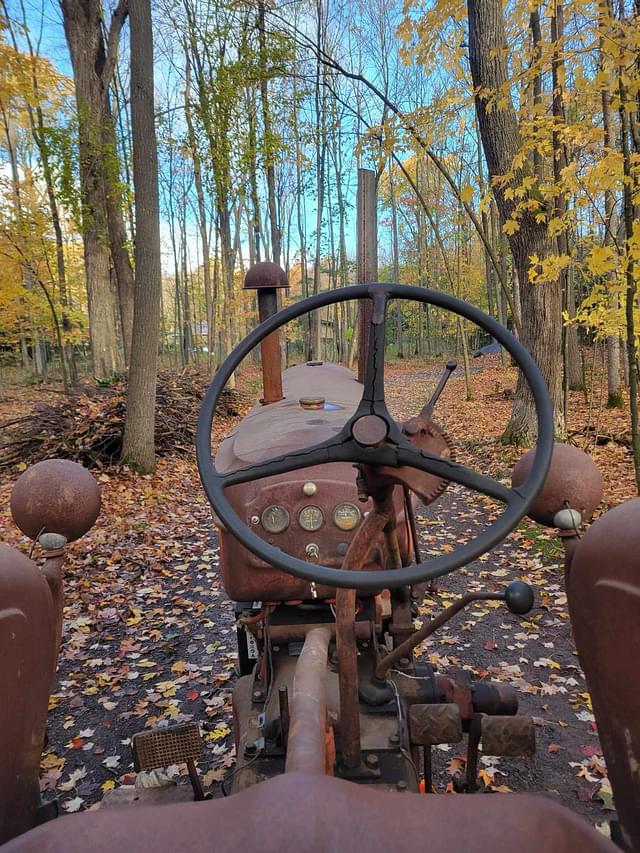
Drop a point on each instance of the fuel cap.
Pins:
(311, 402)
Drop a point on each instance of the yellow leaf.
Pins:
(136, 616)
(109, 785)
(487, 778)
(466, 194)
(218, 733)
(601, 260)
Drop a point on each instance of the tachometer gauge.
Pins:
(275, 519)
(346, 516)
(311, 518)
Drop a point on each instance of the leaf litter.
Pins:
(149, 636)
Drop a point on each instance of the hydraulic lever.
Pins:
(518, 597)
(427, 410)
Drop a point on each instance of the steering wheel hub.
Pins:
(370, 430)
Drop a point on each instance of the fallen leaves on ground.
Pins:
(149, 634)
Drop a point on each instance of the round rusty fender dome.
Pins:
(265, 274)
(57, 495)
(612, 540)
(573, 478)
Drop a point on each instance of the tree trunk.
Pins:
(614, 395)
(573, 378)
(92, 69)
(630, 187)
(202, 211)
(540, 304)
(395, 274)
(117, 232)
(276, 237)
(138, 448)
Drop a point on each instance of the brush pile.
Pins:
(87, 426)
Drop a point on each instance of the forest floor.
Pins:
(149, 633)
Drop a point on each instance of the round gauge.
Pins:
(346, 516)
(275, 519)
(311, 518)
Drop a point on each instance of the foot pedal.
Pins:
(160, 748)
(508, 735)
(433, 724)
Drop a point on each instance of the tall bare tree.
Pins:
(138, 448)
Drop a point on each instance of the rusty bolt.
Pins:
(258, 695)
(401, 785)
(371, 761)
(55, 496)
(394, 740)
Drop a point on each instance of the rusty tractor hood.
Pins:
(269, 431)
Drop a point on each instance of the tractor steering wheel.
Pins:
(372, 437)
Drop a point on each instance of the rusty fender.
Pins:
(322, 814)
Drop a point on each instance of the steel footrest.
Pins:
(174, 745)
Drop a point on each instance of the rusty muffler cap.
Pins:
(573, 479)
(265, 274)
(56, 496)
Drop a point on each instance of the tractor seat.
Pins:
(322, 813)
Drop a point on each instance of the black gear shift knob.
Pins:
(519, 597)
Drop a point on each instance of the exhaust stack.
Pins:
(266, 277)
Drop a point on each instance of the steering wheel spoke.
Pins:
(447, 469)
(336, 450)
(373, 391)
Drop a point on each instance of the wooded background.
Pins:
(505, 139)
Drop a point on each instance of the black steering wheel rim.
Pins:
(522, 496)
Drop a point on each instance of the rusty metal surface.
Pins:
(57, 496)
(27, 644)
(494, 697)
(270, 354)
(320, 814)
(369, 430)
(266, 277)
(247, 578)
(604, 604)
(508, 736)
(265, 274)
(573, 478)
(426, 435)
(52, 573)
(286, 426)
(355, 557)
(306, 743)
(164, 747)
(433, 724)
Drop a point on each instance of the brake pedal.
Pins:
(160, 748)
(508, 736)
